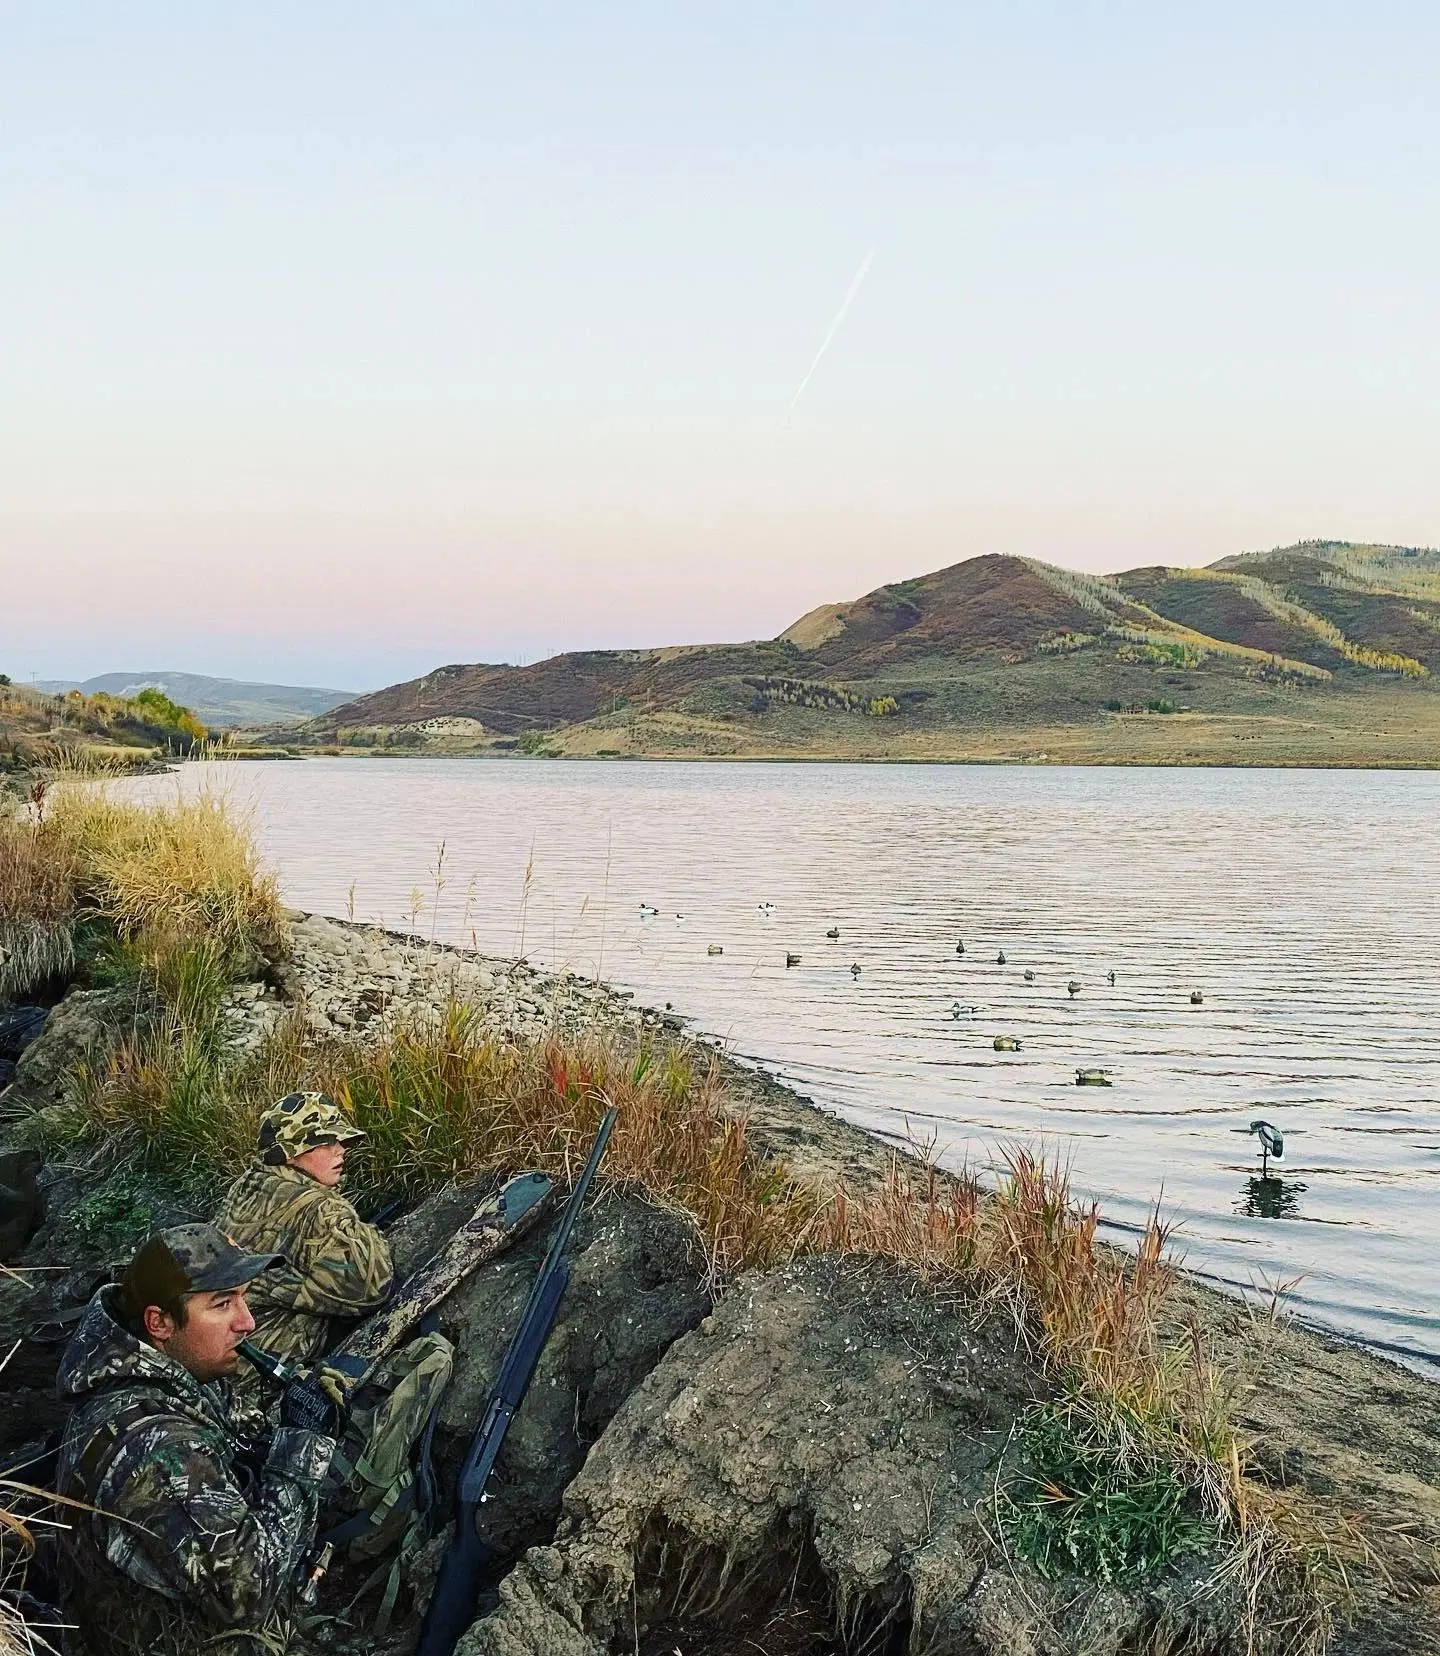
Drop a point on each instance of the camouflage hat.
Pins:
(188, 1259)
(301, 1122)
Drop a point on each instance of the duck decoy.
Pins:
(765, 908)
(833, 933)
(1006, 1043)
(679, 919)
(1000, 958)
(648, 909)
(1073, 988)
(792, 960)
(1093, 1078)
(1029, 975)
(715, 948)
(855, 971)
(959, 948)
(1196, 998)
(1111, 976)
(958, 1011)
(1272, 1143)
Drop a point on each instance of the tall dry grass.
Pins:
(157, 880)
(169, 876)
(38, 904)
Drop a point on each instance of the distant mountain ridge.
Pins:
(215, 701)
(940, 647)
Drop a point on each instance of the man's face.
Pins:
(325, 1163)
(215, 1324)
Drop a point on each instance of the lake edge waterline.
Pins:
(882, 1049)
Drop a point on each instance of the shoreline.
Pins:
(1346, 1428)
(1347, 1432)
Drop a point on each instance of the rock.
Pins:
(797, 1455)
(22, 1205)
(80, 1030)
(19, 1026)
(638, 1281)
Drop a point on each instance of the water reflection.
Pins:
(1271, 1198)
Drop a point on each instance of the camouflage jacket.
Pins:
(199, 1528)
(338, 1265)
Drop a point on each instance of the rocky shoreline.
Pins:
(817, 1450)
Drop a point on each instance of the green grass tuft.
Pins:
(1094, 1500)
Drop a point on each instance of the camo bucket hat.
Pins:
(300, 1122)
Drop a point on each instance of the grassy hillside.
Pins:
(1321, 653)
(216, 701)
(37, 728)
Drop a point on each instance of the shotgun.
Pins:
(457, 1588)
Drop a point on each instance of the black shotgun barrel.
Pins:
(457, 1588)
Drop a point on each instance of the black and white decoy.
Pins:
(792, 960)
(1073, 987)
(833, 933)
(1000, 958)
(1272, 1143)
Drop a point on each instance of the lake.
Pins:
(1300, 904)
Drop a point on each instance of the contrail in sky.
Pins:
(834, 327)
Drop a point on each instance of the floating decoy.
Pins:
(833, 933)
(716, 948)
(765, 908)
(1111, 976)
(792, 960)
(1272, 1143)
(679, 919)
(1029, 975)
(854, 971)
(1000, 958)
(645, 908)
(1006, 1043)
(1093, 1078)
(1073, 987)
(958, 1011)
(1196, 998)
(959, 948)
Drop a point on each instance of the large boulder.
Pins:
(638, 1282)
(812, 1469)
(81, 1029)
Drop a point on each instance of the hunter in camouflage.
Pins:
(204, 1516)
(288, 1202)
(337, 1270)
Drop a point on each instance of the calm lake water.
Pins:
(1302, 904)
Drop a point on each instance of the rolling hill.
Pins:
(216, 701)
(1317, 653)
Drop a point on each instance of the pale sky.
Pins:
(338, 342)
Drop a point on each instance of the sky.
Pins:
(338, 342)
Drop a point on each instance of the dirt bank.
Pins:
(809, 1464)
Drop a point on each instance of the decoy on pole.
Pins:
(1272, 1143)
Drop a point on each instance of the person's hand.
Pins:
(308, 1406)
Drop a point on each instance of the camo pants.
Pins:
(372, 1470)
